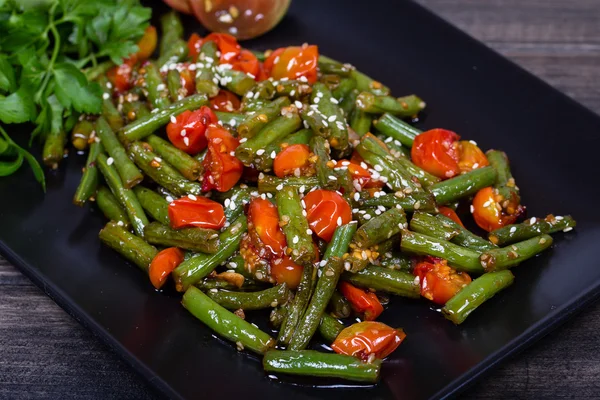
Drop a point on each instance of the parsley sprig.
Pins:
(44, 46)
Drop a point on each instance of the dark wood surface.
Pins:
(44, 353)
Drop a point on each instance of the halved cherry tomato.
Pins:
(147, 44)
(362, 301)
(194, 45)
(470, 156)
(325, 211)
(264, 220)
(225, 101)
(291, 158)
(368, 337)
(246, 62)
(163, 264)
(188, 132)
(222, 168)
(188, 80)
(434, 151)
(439, 281)
(293, 62)
(121, 76)
(359, 174)
(284, 270)
(450, 213)
(227, 45)
(198, 211)
(487, 211)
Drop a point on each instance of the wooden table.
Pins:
(44, 353)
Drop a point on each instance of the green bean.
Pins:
(251, 300)
(421, 201)
(277, 316)
(206, 82)
(133, 248)
(194, 239)
(89, 179)
(197, 267)
(81, 134)
(428, 224)
(134, 110)
(510, 256)
(327, 365)
(453, 189)
(297, 306)
(158, 95)
(530, 228)
(395, 147)
(109, 111)
(235, 81)
(274, 131)
(153, 203)
(424, 177)
(230, 118)
(111, 208)
(339, 306)
(320, 147)
(326, 67)
(365, 83)
(293, 89)
(144, 126)
(253, 123)
(183, 162)
(385, 280)
(345, 87)
(330, 328)
(465, 237)
(174, 85)
(264, 90)
(172, 46)
(302, 136)
(459, 307)
(347, 104)
(295, 226)
(126, 197)
(54, 147)
(396, 129)
(397, 261)
(161, 171)
(505, 183)
(461, 258)
(272, 184)
(321, 98)
(360, 122)
(225, 323)
(340, 241)
(380, 228)
(234, 200)
(407, 106)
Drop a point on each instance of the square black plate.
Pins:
(550, 139)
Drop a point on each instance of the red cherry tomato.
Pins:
(222, 168)
(121, 76)
(368, 337)
(487, 211)
(147, 44)
(325, 211)
(246, 62)
(450, 213)
(362, 301)
(188, 132)
(194, 46)
(293, 63)
(434, 151)
(470, 156)
(284, 270)
(227, 45)
(439, 281)
(225, 101)
(188, 80)
(264, 220)
(291, 158)
(196, 211)
(163, 264)
(359, 174)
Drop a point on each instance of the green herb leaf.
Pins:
(8, 81)
(73, 89)
(18, 107)
(10, 167)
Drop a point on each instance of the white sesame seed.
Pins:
(242, 140)
(120, 223)
(298, 104)
(232, 205)
(532, 220)
(363, 165)
(487, 203)
(160, 87)
(309, 232)
(473, 142)
(295, 240)
(227, 201)
(273, 154)
(192, 197)
(157, 159)
(304, 213)
(334, 100)
(169, 199)
(472, 209)
(378, 168)
(558, 217)
(173, 119)
(186, 141)
(567, 229)
(332, 178)
(339, 221)
(356, 196)
(317, 99)
(260, 152)
(261, 176)
(269, 195)
(513, 229)
(106, 96)
(279, 187)
(367, 216)
(183, 132)
(110, 160)
(332, 118)
(322, 263)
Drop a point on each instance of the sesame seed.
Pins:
(378, 168)
(363, 165)
(367, 216)
(157, 159)
(472, 209)
(239, 346)
(298, 104)
(192, 197)
(332, 118)
(473, 142)
(260, 152)
(279, 187)
(334, 100)
(259, 275)
(356, 196)
(227, 201)
(332, 178)
(329, 272)
(213, 290)
(295, 240)
(169, 199)
(322, 263)
(417, 205)
(261, 176)
(273, 154)
(186, 141)
(309, 232)
(183, 132)
(339, 221)
(263, 196)
(106, 96)
(110, 161)
(317, 99)
(242, 140)
(347, 266)
(513, 229)
(269, 195)
(304, 213)
(173, 119)
(532, 220)
(120, 223)
(487, 203)
(568, 229)
(542, 240)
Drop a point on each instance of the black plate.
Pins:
(550, 139)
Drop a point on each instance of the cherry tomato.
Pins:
(439, 281)
(194, 46)
(188, 132)
(291, 158)
(183, 6)
(198, 211)
(368, 337)
(359, 174)
(362, 301)
(263, 218)
(325, 211)
(246, 62)
(188, 80)
(293, 62)
(225, 101)
(163, 264)
(222, 168)
(284, 270)
(470, 156)
(487, 211)
(121, 76)
(227, 45)
(434, 151)
(147, 44)
(450, 213)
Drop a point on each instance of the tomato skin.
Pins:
(227, 45)
(434, 151)
(163, 264)
(362, 301)
(188, 80)
(284, 270)
(222, 168)
(450, 213)
(246, 62)
(293, 62)
(488, 213)
(368, 337)
(121, 76)
(225, 101)
(359, 174)
(439, 282)
(290, 158)
(147, 44)
(470, 156)
(193, 211)
(194, 123)
(194, 45)
(323, 209)
(263, 218)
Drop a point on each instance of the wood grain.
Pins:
(46, 354)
